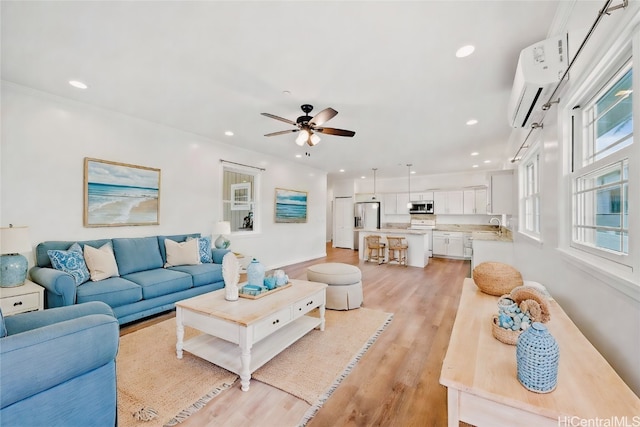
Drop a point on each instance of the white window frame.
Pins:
(586, 165)
(235, 205)
(619, 271)
(529, 223)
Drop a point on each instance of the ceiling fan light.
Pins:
(302, 138)
(314, 139)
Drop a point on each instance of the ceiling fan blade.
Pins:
(282, 119)
(282, 132)
(323, 116)
(334, 131)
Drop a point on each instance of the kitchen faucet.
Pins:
(498, 224)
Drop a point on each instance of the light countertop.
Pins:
(394, 231)
(478, 231)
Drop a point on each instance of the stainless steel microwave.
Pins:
(421, 207)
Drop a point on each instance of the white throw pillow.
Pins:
(185, 253)
(101, 262)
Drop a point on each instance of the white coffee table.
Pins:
(243, 335)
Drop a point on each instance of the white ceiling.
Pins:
(388, 68)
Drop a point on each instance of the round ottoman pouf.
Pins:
(496, 278)
(345, 286)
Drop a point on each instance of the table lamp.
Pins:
(222, 228)
(13, 266)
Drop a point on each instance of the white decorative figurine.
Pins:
(231, 276)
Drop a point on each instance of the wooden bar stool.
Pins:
(375, 249)
(398, 249)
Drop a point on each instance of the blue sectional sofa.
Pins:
(144, 286)
(58, 367)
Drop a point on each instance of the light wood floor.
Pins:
(394, 384)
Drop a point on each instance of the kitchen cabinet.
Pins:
(389, 201)
(448, 244)
(475, 201)
(501, 193)
(396, 203)
(423, 196)
(448, 202)
(402, 202)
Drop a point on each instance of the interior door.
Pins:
(343, 222)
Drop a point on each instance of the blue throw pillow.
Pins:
(3, 327)
(72, 262)
(204, 244)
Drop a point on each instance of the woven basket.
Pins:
(537, 357)
(506, 336)
(496, 278)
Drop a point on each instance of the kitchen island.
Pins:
(417, 240)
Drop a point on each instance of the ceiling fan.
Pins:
(308, 126)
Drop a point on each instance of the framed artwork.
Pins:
(291, 206)
(118, 194)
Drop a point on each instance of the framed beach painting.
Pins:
(117, 194)
(291, 205)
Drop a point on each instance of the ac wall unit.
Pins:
(540, 68)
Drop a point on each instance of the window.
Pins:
(600, 182)
(530, 195)
(239, 194)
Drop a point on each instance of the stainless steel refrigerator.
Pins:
(366, 217)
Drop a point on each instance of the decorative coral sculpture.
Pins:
(231, 276)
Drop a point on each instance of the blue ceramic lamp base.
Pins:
(13, 270)
(222, 242)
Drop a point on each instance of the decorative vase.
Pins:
(231, 276)
(255, 273)
(537, 356)
(281, 277)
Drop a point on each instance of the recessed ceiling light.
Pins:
(341, 170)
(487, 161)
(413, 172)
(472, 122)
(363, 177)
(475, 153)
(286, 92)
(78, 84)
(465, 51)
(474, 166)
(228, 133)
(298, 155)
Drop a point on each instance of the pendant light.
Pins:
(374, 182)
(409, 176)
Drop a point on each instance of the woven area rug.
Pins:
(155, 388)
(152, 380)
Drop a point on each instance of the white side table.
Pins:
(20, 299)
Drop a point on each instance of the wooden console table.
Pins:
(482, 385)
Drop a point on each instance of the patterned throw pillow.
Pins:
(70, 261)
(204, 244)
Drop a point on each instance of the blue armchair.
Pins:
(57, 367)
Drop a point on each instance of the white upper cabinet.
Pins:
(395, 203)
(424, 195)
(448, 202)
(389, 203)
(402, 202)
(475, 201)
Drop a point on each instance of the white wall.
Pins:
(45, 139)
(609, 318)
